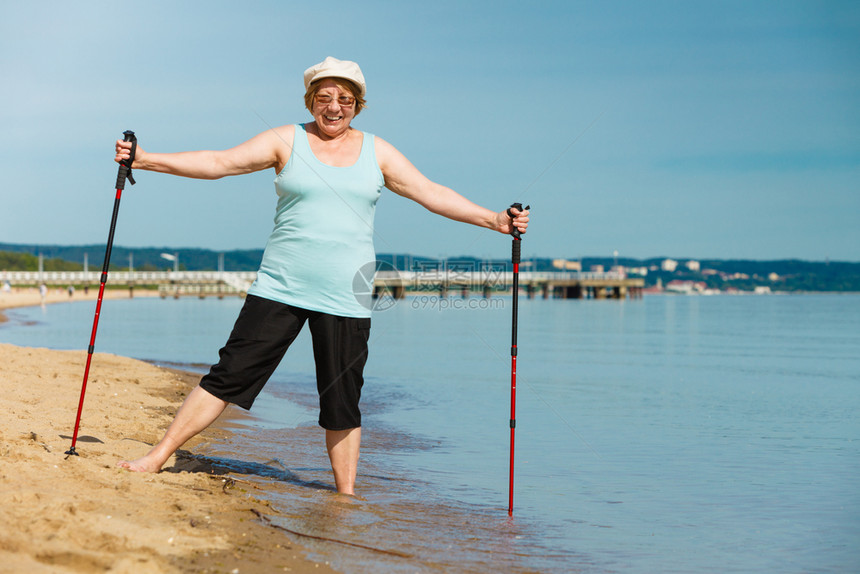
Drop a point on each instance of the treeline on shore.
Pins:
(790, 275)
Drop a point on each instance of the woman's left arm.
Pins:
(404, 179)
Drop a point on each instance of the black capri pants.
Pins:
(262, 334)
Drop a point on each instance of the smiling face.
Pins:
(333, 105)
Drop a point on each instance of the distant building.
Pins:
(643, 271)
(773, 277)
(687, 287)
(669, 265)
(597, 268)
(693, 265)
(567, 265)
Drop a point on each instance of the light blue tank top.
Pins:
(320, 250)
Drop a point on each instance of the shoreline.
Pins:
(82, 513)
(30, 297)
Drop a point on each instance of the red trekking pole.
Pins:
(123, 174)
(515, 257)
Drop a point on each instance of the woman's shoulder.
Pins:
(385, 152)
(382, 146)
(284, 131)
(279, 136)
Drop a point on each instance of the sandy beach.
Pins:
(83, 514)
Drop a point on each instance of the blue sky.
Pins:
(686, 129)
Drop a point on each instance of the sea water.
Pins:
(667, 434)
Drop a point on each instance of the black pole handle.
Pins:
(519, 207)
(125, 165)
(515, 250)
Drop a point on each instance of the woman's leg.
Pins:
(343, 451)
(199, 410)
(340, 352)
(260, 337)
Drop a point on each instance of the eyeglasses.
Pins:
(325, 100)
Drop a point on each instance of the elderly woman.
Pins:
(328, 179)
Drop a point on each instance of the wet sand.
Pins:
(83, 514)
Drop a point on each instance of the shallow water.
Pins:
(670, 434)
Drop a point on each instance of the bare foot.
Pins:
(343, 497)
(143, 464)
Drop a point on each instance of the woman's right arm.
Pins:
(268, 149)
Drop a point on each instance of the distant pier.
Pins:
(397, 284)
(486, 283)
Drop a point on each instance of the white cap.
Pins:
(334, 68)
